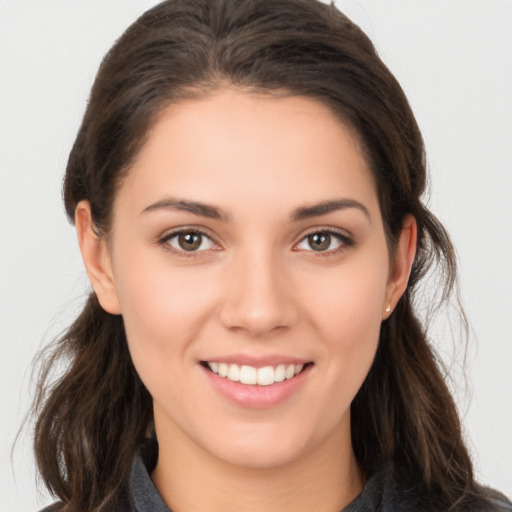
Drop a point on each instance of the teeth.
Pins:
(234, 372)
(248, 374)
(265, 376)
(280, 373)
(223, 370)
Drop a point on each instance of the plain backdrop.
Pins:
(454, 61)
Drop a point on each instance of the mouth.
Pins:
(250, 375)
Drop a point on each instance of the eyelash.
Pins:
(346, 241)
(164, 241)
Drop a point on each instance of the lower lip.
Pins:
(254, 396)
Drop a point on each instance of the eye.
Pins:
(323, 241)
(189, 241)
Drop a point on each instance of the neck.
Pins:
(325, 479)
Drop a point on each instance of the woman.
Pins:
(246, 190)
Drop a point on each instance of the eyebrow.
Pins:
(325, 207)
(195, 207)
(213, 212)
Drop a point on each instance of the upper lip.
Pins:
(257, 361)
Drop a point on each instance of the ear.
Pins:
(401, 265)
(97, 260)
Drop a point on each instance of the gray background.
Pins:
(454, 60)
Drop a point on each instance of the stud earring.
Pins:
(388, 308)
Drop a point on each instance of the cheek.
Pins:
(163, 313)
(347, 313)
(349, 301)
(162, 307)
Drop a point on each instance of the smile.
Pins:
(245, 374)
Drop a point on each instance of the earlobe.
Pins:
(402, 264)
(96, 257)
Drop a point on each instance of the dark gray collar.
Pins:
(146, 498)
(385, 491)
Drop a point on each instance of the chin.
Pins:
(260, 458)
(262, 450)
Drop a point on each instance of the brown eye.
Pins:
(323, 241)
(319, 241)
(190, 241)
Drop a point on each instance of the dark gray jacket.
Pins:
(382, 493)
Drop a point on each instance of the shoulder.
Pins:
(498, 501)
(142, 495)
(58, 507)
(391, 490)
(53, 508)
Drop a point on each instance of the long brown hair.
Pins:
(91, 419)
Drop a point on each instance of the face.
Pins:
(248, 259)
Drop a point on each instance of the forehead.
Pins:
(235, 145)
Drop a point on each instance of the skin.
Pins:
(255, 288)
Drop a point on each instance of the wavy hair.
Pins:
(92, 418)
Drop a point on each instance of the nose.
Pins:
(259, 296)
